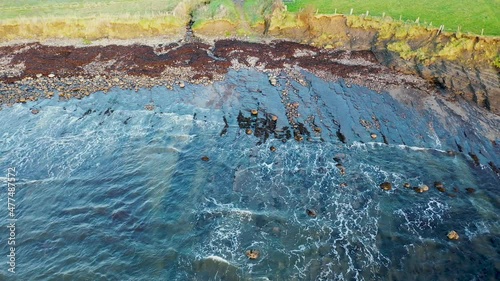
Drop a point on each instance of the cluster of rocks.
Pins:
(34, 88)
(452, 235)
(424, 188)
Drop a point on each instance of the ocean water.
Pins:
(108, 190)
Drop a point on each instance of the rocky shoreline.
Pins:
(32, 71)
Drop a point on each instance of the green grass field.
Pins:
(15, 9)
(470, 16)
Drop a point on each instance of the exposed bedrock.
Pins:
(456, 64)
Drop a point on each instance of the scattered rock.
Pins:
(317, 129)
(274, 118)
(299, 137)
(149, 107)
(373, 135)
(439, 186)
(23, 100)
(52, 75)
(344, 184)
(253, 254)
(422, 188)
(38, 75)
(273, 81)
(272, 148)
(450, 153)
(406, 185)
(254, 112)
(35, 111)
(453, 235)
(205, 158)
(470, 190)
(341, 168)
(311, 213)
(249, 131)
(386, 186)
(181, 84)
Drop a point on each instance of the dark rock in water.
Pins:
(108, 111)
(299, 137)
(474, 158)
(406, 185)
(254, 112)
(249, 131)
(494, 167)
(205, 158)
(311, 213)
(373, 135)
(386, 186)
(439, 186)
(252, 254)
(341, 136)
(338, 157)
(344, 184)
(470, 190)
(272, 148)
(341, 168)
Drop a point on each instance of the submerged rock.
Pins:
(205, 158)
(212, 266)
(470, 190)
(453, 235)
(439, 186)
(311, 213)
(386, 186)
(341, 168)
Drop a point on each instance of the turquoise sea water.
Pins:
(108, 190)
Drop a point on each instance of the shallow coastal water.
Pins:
(109, 190)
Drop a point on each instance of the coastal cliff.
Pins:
(457, 64)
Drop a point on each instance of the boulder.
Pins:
(386, 186)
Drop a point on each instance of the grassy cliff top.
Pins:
(469, 16)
